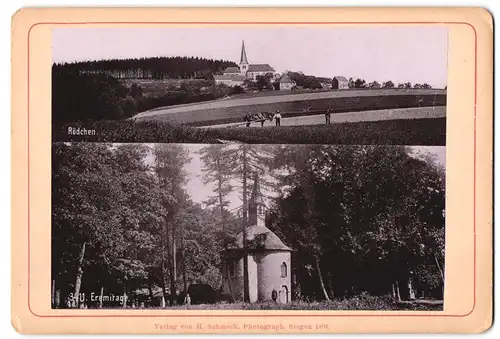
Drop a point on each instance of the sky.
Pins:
(416, 54)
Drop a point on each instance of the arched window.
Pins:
(283, 270)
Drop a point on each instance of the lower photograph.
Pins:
(247, 227)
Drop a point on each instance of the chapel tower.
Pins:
(256, 215)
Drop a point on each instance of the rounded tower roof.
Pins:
(260, 238)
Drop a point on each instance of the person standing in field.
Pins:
(277, 116)
(260, 117)
(328, 114)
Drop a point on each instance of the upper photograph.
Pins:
(359, 84)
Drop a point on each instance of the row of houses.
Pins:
(285, 82)
(236, 76)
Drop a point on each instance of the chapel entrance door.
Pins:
(283, 295)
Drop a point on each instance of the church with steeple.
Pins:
(233, 76)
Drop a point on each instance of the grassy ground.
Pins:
(131, 131)
(345, 91)
(229, 111)
(368, 303)
(390, 132)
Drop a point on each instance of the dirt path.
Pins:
(376, 115)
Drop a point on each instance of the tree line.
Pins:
(360, 219)
(150, 68)
(361, 83)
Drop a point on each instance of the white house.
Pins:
(286, 84)
(229, 80)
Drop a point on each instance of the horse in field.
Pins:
(261, 117)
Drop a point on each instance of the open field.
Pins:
(388, 132)
(233, 110)
(377, 115)
(345, 92)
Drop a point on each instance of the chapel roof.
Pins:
(262, 238)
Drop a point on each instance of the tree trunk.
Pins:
(162, 278)
(79, 275)
(322, 284)
(183, 253)
(150, 290)
(163, 302)
(411, 290)
(223, 222)
(439, 268)
(221, 203)
(124, 295)
(330, 286)
(227, 278)
(102, 295)
(441, 273)
(58, 298)
(168, 262)
(53, 293)
(173, 275)
(398, 294)
(246, 289)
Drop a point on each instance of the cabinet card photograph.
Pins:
(253, 170)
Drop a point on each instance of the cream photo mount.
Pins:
(468, 284)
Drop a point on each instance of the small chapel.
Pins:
(269, 259)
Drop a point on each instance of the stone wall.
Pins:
(269, 274)
(264, 276)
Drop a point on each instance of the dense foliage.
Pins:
(78, 96)
(361, 219)
(122, 222)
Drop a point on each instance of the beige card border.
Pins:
(468, 291)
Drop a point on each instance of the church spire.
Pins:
(256, 205)
(243, 58)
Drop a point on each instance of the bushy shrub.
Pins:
(86, 97)
(131, 131)
(394, 132)
(391, 132)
